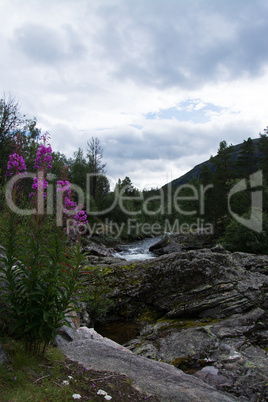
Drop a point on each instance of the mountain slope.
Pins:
(196, 171)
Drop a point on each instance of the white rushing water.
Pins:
(138, 250)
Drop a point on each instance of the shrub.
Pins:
(238, 237)
(40, 273)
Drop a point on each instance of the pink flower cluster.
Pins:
(42, 162)
(37, 185)
(15, 165)
(81, 216)
(64, 186)
(43, 158)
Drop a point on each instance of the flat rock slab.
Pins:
(152, 377)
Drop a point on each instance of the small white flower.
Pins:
(101, 392)
(70, 377)
(77, 396)
(107, 397)
(65, 382)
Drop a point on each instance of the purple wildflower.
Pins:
(81, 216)
(15, 165)
(64, 186)
(69, 204)
(43, 158)
(39, 184)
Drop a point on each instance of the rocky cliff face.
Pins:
(203, 311)
(191, 284)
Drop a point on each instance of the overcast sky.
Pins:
(159, 82)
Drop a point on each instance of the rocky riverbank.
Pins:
(203, 311)
(201, 315)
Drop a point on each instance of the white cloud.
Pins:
(199, 69)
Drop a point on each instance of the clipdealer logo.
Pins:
(54, 203)
(255, 221)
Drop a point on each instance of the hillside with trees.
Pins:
(53, 208)
(197, 200)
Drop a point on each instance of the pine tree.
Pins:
(263, 148)
(96, 167)
(222, 180)
(246, 158)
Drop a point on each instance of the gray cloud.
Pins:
(160, 83)
(47, 45)
(185, 44)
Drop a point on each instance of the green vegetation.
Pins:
(39, 271)
(127, 213)
(240, 238)
(55, 378)
(36, 247)
(42, 265)
(95, 297)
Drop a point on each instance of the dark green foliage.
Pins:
(222, 179)
(263, 148)
(12, 124)
(96, 168)
(40, 279)
(79, 169)
(246, 159)
(96, 297)
(238, 237)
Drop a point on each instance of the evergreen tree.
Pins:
(263, 148)
(79, 169)
(206, 180)
(95, 165)
(246, 158)
(222, 180)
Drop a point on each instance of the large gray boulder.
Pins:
(175, 243)
(203, 311)
(156, 378)
(196, 283)
(225, 354)
(98, 249)
(166, 245)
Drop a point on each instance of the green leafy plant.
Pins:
(40, 281)
(95, 297)
(238, 237)
(40, 273)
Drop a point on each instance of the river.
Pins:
(138, 250)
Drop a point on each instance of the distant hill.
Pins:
(195, 172)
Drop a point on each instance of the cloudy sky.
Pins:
(159, 82)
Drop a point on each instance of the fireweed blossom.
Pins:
(43, 158)
(42, 163)
(81, 217)
(15, 165)
(38, 184)
(69, 205)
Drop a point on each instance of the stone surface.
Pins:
(159, 379)
(225, 354)
(90, 333)
(98, 249)
(66, 334)
(166, 245)
(203, 311)
(196, 283)
(175, 243)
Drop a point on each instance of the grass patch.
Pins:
(55, 378)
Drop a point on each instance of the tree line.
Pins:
(157, 205)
